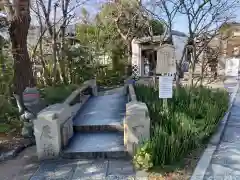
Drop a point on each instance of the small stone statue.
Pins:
(33, 104)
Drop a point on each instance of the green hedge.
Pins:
(190, 118)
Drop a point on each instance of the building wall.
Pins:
(230, 39)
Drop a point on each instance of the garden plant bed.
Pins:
(11, 142)
(180, 129)
(10, 146)
(179, 171)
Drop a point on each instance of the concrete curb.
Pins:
(205, 159)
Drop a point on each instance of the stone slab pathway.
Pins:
(102, 110)
(85, 170)
(98, 127)
(225, 163)
(27, 167)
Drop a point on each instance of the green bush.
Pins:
(110, 78)
(8, 111)
(143, 157)
(57, 94)
(189, 118)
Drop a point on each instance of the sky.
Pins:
(180, 22)
(74, 7)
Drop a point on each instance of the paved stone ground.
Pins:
(27, 167)
(85, 170)
(225, 163)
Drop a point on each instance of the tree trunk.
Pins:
(191, 71)
(63, 54)
(23, 74)
(128, 70)
(203, 56)
(192, 68)
(46, 73)
(178, 73)
(64, 4)
(54, 48)
(2, 62)
(70, 67)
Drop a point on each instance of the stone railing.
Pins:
(81, 95)
(53, 127)
(136, 122)
(131, 94)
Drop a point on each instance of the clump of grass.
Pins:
(191, 117)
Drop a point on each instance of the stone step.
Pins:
(100, 122)
(115, 127)
(104, 145)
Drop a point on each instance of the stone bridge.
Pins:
(90, 124)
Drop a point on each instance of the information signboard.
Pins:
(232, 66)
(165, 87)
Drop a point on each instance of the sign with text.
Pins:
(166, 59)
(232, 66)
(165, 87)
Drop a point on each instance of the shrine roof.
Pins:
(155, 39)
(149, 39)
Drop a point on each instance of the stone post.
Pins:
(52, 128)
(94, 87)
(136, 123)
